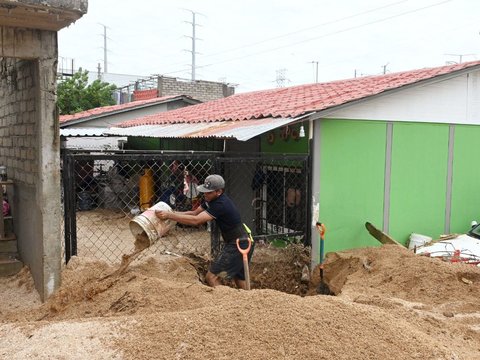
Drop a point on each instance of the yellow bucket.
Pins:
(149, 224)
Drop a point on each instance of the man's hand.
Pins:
(162, 214)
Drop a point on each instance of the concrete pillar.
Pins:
(33, 153)
(48, 184)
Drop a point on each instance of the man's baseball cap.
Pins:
(212, 183)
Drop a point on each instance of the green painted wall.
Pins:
(352, 163)
(418, 180)
(147, 143)
(466, 178)
(288, 146)
(143, 143)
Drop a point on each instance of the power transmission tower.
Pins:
(281, 79)
(194, 39)
(99, 72)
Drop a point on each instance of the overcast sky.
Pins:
(260, 44)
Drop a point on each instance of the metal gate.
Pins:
(102, 192)
(272, 193)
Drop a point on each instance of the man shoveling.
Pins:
(219, 207)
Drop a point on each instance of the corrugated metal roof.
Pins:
(241, 130)
(104, 110)
(294, 101)
(71, 132)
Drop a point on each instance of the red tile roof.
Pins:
(104, 110)
(296, 100)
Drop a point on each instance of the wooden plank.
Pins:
(380, 235)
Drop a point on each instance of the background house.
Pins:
(84, 130)
(160, 86)
(396, 149)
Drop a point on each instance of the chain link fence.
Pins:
(103, 191)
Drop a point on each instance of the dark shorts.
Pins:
(229, 263)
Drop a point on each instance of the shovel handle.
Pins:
(244, 253)
(321, 229)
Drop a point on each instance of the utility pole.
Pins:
(316, 70)
(385, 68)
(105, 61)
(194, 39)
(460, 57)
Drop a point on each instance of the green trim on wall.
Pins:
(466, 178)
(419, 177)
(352, 163)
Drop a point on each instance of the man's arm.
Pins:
(197, 211)
(195, 217)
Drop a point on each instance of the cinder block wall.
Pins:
(198, 89)
(17, 120)
(19, 153)
(29, 147)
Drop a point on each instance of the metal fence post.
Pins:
(68, 178)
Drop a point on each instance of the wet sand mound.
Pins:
(392, 271)
(391, 304)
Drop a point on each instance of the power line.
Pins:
(324, 35)
(297, 31)
(332, 33)
(308, 28)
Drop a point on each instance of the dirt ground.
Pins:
(389, 304)
(105, 234)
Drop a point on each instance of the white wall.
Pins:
(106, 143)
(453, 101)
(117, 117)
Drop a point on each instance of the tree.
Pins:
(74, 95)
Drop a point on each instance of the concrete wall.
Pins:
(29, 147)
(198, 89)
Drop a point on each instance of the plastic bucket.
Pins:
(149, 224)
(417, 240)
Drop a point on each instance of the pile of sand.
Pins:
(390, 304)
